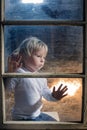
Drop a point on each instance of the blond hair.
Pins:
(29, 46)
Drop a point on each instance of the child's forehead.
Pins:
(41, 51)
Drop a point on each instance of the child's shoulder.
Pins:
(20, 70)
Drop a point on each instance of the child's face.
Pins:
(36, 60)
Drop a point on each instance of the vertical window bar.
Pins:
(1, 106)
(85, 90)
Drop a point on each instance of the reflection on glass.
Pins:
(32, 1)
(68, 108)
(65, 45)
(45, 10)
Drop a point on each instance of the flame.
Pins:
(72, 86)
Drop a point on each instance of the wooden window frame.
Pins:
(43, 125)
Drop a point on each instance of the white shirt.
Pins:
(28, 93)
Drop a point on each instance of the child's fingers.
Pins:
(64, 95)
(65, 89)
(19, 59)
(60, 87)
(54, 89)
(20, 65)
(9, 59)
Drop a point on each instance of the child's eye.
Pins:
(41, 57)
(38, 56)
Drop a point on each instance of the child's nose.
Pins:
(42, 59)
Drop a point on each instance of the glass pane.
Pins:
(65, 45)
(68, 108)
(44, 9)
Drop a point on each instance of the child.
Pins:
(29, 57)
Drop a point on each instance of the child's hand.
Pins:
(59, 94)
(14, 62)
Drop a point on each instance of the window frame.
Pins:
(42, 125)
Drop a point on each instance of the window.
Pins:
(62, 26)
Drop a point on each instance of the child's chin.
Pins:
(40, 67)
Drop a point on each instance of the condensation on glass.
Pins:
(69, 108)
(65, 45)
(44, 10)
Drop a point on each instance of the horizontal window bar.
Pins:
(41, 22)
(42, 75)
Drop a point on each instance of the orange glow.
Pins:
(73, 86)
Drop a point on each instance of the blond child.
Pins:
(29, 57)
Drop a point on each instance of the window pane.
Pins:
(69, 108)
(44, 9)
(65, 45)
